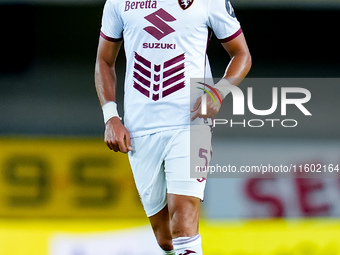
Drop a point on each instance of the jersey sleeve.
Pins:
(112, 25)
(222, 20)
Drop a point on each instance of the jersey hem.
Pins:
(156, 130)
(233, 36)
(110, 39)
(161, 129)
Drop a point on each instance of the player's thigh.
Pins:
(184, 151)
(146, 162)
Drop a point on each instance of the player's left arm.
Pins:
(236, 71)
(240, 63)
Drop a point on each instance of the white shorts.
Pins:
(160, 164)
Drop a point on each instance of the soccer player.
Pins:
(165, 44)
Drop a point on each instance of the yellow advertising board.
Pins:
(65, 178)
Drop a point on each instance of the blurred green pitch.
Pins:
(260, 237)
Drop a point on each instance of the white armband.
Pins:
(222, 86)
(110, 111)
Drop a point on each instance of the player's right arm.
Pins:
(116, 136)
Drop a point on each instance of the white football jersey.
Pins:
(165, 45)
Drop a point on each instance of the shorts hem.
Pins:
(187, 193)
(156, 210)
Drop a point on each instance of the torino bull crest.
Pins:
(185, 4)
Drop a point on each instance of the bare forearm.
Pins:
(238, 68)
(105, 80)
(240, 63)
(105, 75)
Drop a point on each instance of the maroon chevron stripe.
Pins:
(141, 79)
(156, 87)
(141, 89)
(155, 97)
(173, 89)
(157, 78)
(157, 68)
(144, 61)
(174, 60)
(142, 70)
(173, 70)
(173, 80)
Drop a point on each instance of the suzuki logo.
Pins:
(161, 28)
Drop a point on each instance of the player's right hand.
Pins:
(116, 136)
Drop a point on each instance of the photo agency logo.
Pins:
(207, 92)
(281, 99)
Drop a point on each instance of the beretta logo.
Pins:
(133, 5)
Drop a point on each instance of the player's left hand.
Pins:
(212, 108)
